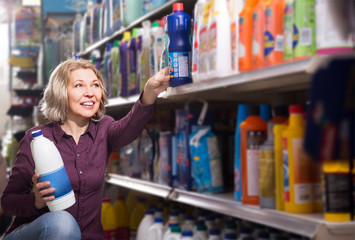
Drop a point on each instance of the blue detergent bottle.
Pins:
(179, 27)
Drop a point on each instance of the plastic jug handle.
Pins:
(203, 112)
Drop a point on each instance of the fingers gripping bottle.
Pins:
(179, 46)
(49, 164)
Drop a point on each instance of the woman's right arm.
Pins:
(19, 198)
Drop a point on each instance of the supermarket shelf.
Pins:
(139, 185)
(309, 225)
(292, 75)
(165, 8)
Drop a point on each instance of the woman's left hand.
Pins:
(155, 85)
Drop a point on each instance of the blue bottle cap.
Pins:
(36, 133)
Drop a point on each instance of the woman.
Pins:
(74, 101)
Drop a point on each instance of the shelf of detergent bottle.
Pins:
(158, 11)
(295, 74)
(308, 225)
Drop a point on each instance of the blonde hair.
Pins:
(54, 104)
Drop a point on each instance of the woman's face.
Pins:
(84, 94)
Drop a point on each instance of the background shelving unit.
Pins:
(287, 83)
(308, 225)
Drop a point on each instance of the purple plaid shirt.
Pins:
(85, 164)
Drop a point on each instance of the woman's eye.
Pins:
(78, 85)
(96, 85)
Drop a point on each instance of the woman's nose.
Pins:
(89, 91)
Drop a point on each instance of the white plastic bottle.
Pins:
(175, 234)
(209, 222)
(219, 50)
(145, 224)
(201, 232)
(49, 164)
(155, 232)
(214, 234)
(188, 223)
(76, 33)
(244, 232)
(167, 230)
(187, 235)
(198, 16)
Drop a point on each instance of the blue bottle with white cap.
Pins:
(49, 164)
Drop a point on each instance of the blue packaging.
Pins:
(165, 158)
(179, 27)
(184, 120)
(241, 116)
(206, 160)
(124, 65)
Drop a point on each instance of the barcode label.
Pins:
(306, 37)
(279, 44)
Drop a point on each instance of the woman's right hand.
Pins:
(41, 189)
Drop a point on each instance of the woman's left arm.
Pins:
(125, 130)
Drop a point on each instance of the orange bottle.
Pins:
(245, 36)
(253, 134)
(258, 57)
(274, 39)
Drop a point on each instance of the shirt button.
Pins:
(81, 172)
(79, 219)
(78, 154)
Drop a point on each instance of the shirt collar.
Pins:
(58, 132)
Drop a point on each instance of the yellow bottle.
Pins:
(136, 217)
(337, 190)
(298, 179)
(131, 201)
(108, 219)
(122, 219)
(279, 173)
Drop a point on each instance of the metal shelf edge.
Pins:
(139, 185)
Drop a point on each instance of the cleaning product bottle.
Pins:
(155, 232)
(179, 46)
(245, 36)
(145, 56)
(219, 49)
(95, 22)
(165, 158)
(116, 15)
(279, 128)
(253, 134)
(198, 15)
(50, 166)
(116, 77)
(132, 10)
(289, 26)
(267, 175)
(298, 177)
(186, 235)
(188, 223)
(107, 30)
(203, 36)
(132, 58)
(258, 35)
(201, 232)
(124, 63)
(242, 115)
(108, 70)
(122, 219)
(235, 7)
(156, 46)
(337, 190)
(145, 224)
(329, 40)
(214, 234)
(108, 219)
(136, 217)
(231, 236)
(76, 33)
(86, 26)
(175, 233)
(304, 31)
(274, 38)
(265, 112)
